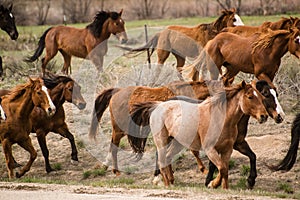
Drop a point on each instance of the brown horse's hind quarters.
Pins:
(88, 43)
(18, 105)
(210, 125)
(185, 42)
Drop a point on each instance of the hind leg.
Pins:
(51, 51)
(41, 136)
(67, 63)
(199, 162)
(7, 150)
(117, 135)
(27, 145)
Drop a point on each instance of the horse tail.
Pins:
(194, 68)
(41, 45)
(287, 163)
(139, 125)
(100, 105)
(151, 44)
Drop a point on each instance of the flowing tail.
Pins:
(41, 45)
(151, 44)
(287, 163)
(139, 125)
(192, 71)
(101, 103)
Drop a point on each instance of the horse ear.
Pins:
(243, 84)
(120, 13)
(10, 7)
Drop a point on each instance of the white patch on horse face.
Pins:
(255, 93)
(52, 106)
(297, 39)
(3, 116)
(279, 109)
(11, 15)
(238, 21)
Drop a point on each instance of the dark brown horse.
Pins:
(18, 105)
(259, 54)
(88, 43)
(210, 125)
(185, 42)
(7, 23)
(62, 89)
(120, 101)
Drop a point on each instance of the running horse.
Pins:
(7, 23)
(120, 101)
(185, 42)
(210, 125)
(88, 43)
(259, 54)
(18, 105)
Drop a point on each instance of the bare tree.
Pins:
(76, 10)
(43, 9)
(227, 4)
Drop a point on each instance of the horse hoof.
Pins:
(18, 175)
(116, 172)
(210, 185)
(156, 180)
(74, 162)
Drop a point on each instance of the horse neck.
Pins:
(25, 105)
(105, 34)
(282, 46)
(56, 95)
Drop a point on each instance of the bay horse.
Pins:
(88, 43)
(259, 54)
(7, 23)
(62, 89)
(185, 42)
(210, 125)
(18, 105)
(120, 101)
(289, 160)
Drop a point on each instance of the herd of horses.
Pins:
(203, 114)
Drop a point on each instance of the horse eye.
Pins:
(250, 97)
(234, 19)
(117, 24)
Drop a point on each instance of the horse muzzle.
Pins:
(262, 119)
(51, 111)
(81, 105)
(278, 119)
(122, 37)
(14, 35)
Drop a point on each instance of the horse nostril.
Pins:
(279, 119)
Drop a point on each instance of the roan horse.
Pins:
(88, 43)
(185, 42)
(7, 23)
(258, 54)
(18, 105)
(121, 100)
(210, 125)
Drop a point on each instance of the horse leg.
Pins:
(51, 51)
(27, 145)
(243, 147)
(41, 136)
(211, 170)
(225, 156)
(229, 75)
(179, 67)
(67, 62)
(199, 162)
(64, 131)
(117, 135)
(213, 155)
(7, 150)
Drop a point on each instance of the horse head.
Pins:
(294, 42)
(270, 100)
(72, 94)
(7, 22)
(40, 96)
(252, 103)
(229, 18)
(117, 26)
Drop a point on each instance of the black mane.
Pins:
(52, 81)
(96, 26)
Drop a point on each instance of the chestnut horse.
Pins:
(120, 101)
(210, 125)
(185, 42)
(282, 24)
(7, 23)
(88, 43)
(18, 105)
(258, 54)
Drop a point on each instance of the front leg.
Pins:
(41, 136)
